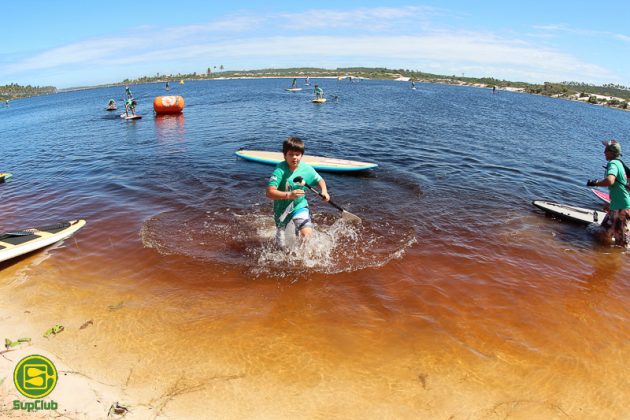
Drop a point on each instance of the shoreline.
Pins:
(453, 82)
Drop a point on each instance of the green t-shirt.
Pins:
(619, 196)
(282, 178)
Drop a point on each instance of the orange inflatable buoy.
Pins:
(168, 104)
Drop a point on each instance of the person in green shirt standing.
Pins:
(319, 92)
(617, 221)
(289, 200)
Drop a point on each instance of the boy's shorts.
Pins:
(301, 219)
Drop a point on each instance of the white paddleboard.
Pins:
(318, 162)
(16, 243)
(319, 100)
(570, 213)
(294, 89)
(130, 117)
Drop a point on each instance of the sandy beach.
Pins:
(77, 394)
(89, 388)
(280, 366)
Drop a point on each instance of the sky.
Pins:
(69, 44)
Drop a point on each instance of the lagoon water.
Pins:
(454, 298)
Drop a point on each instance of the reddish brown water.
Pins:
(455, 299)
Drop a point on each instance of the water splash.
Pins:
(248, 240)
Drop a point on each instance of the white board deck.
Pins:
(16, 243)
(318, 162)
(130, 117)
(571, 213)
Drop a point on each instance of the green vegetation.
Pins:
(14, 91)
(616, 95)
(611, 95)
(605, 90)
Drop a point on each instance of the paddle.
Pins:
(344, 214)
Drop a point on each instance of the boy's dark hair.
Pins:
(294, 144)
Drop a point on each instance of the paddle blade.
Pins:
(346, 215)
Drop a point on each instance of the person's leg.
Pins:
(616, 227)
(303, 223)
(624, 222)
(280, 239)
(305, 232)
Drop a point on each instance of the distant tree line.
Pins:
(605, 90)
(14, 91)
(610, 95)
(569, 90)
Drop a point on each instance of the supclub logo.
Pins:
(35, 376)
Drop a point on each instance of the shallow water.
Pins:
(454, 297)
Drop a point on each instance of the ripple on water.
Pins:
(247, 240)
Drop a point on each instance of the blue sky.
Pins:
(64, 44)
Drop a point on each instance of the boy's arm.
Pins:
(272, 191)
(274, 194)
(322, 186)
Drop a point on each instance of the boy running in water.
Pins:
(289, 201)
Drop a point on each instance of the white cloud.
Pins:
(563, 28)
(560, 27)
(463, 50)
(233, 24)
(358, 37)
(375, 18)
(81, 52)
